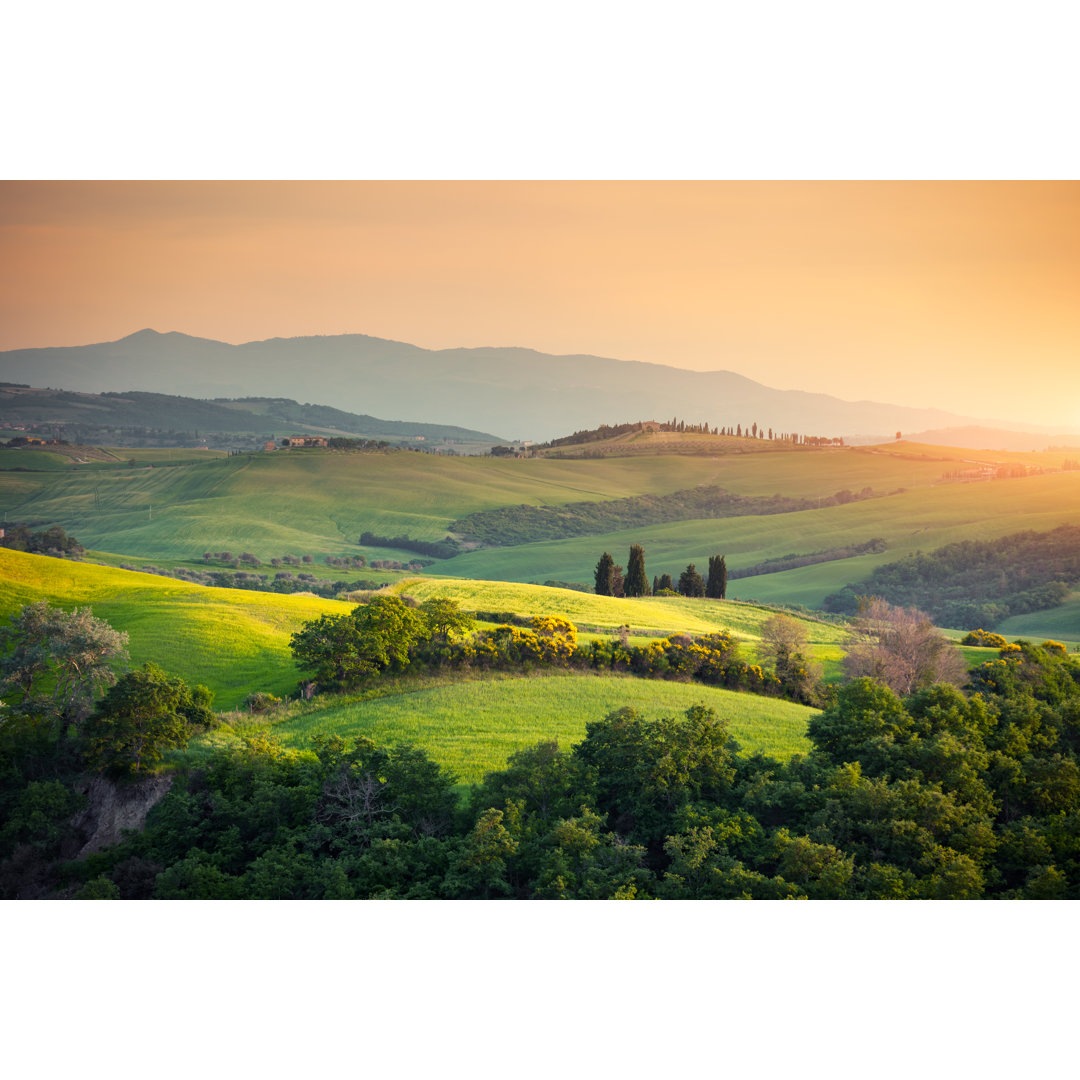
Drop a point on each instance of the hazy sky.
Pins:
(964, 295)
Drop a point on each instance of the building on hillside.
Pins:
(307, 440)
(270, 446)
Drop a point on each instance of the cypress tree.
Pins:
(717, 586)
(637, 584)
(605, 569)
(691, 583)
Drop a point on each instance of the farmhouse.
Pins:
(305, 440)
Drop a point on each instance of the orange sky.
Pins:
(957, 294)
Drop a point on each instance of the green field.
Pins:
(649, 614)
(1059, 624)
(920, 519)
(231, 640)
(320, 501)
(471, 726)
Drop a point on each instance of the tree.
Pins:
(637, 584)
(716, 588)
(664, 583)
(691, 583)
(618, 584)
(443, 616)
(901, 648)
(374, 637)
(604, 570)
(784, 645)
(146, 713)
(57, 662)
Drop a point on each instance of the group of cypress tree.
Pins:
(610, 580)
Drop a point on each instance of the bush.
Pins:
(984, 639)
(260, 702)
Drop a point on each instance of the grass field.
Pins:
(321, 501)
(231, 640)
(920, 519)
(663, 614)
(1059, 624)
(472, 726)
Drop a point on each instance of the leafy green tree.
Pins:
(444, 617)
(605, 569)
(146, 713)
(691, 583)
(646, 770)
(55, 663)
(716, 588)
(637, 584)
(374, 637)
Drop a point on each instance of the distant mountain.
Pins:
(526, 394)
(87, 417)
(985, 438)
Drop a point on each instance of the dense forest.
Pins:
(940, 794)
(976, 583)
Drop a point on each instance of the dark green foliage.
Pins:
(146, 713)
(605, 570)
(792, 562)
(716, 587)
(647, 770)
(976, 583)
(342, 650)
(440, 549)
(51, 541)
(691, 583)
(939, 794)
(637, 584)
(527, 524)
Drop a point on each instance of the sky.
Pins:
(957, 294)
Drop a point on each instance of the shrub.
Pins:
(984, 639)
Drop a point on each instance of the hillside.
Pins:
(236, 642)
(136, 418)
(523, 393)
(901, 496)
(230, 640)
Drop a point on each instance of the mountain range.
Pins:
(520, 392)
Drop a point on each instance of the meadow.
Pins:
(318, 502)
(473, 725)
(230, 640)
(321, 501)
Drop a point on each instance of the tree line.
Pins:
(976, 583)
(524, 524)
(387, 636)
(675, 425)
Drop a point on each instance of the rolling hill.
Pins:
(136, 415)
(521, 392)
